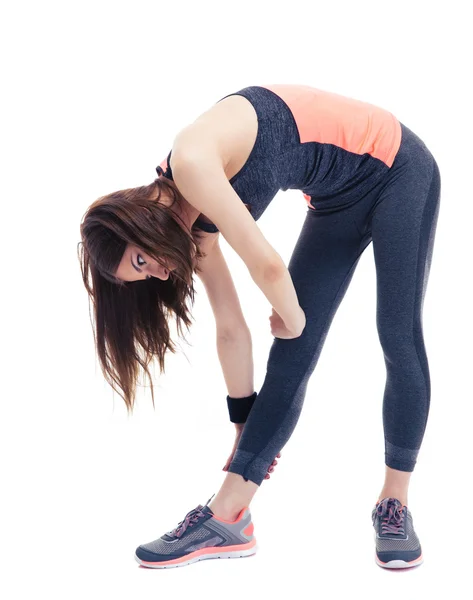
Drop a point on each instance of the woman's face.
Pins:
(136, 265)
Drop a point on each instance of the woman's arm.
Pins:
(235, 354)
(234, 344)
(203, 182)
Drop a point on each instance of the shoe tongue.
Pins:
(397, 503)
(390, 500)
(207, 510)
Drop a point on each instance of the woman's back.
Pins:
(287, 136)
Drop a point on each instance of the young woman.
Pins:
(365, 177)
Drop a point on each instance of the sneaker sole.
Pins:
(399, 564)
(204, 554)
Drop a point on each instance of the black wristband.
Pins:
(239, 408)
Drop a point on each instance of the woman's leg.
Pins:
(403, 229)
(396, 485)
(321, 266)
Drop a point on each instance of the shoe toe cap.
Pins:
(144, 554)
(406, 555)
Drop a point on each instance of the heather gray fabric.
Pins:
(398, 214)
(334, 176)
(358, 199)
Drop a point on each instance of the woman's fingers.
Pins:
(270, 468)
(272, 465)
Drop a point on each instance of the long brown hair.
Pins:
(131, 318)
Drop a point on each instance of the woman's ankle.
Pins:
(227, 512)
(234, 495)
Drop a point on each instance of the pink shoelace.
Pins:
(393, 515)
(192, 517)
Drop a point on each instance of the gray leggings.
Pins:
(399, 216)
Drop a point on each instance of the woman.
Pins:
(366, 177)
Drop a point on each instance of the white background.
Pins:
(93, 95)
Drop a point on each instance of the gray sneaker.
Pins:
(397, 545)
(199, 536)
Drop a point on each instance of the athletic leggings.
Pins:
(399, 216)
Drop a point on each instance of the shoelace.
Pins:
(192, 517)
(392, 513)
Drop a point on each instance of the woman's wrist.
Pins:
(239, 408)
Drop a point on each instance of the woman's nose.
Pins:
(160, 271)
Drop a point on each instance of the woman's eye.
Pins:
(138, 260)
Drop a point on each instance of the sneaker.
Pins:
(397, 545)
(199, 536)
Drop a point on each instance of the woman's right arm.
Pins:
(234, 344)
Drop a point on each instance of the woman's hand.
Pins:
(272, 465)
(239, 431)
(279, 329)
